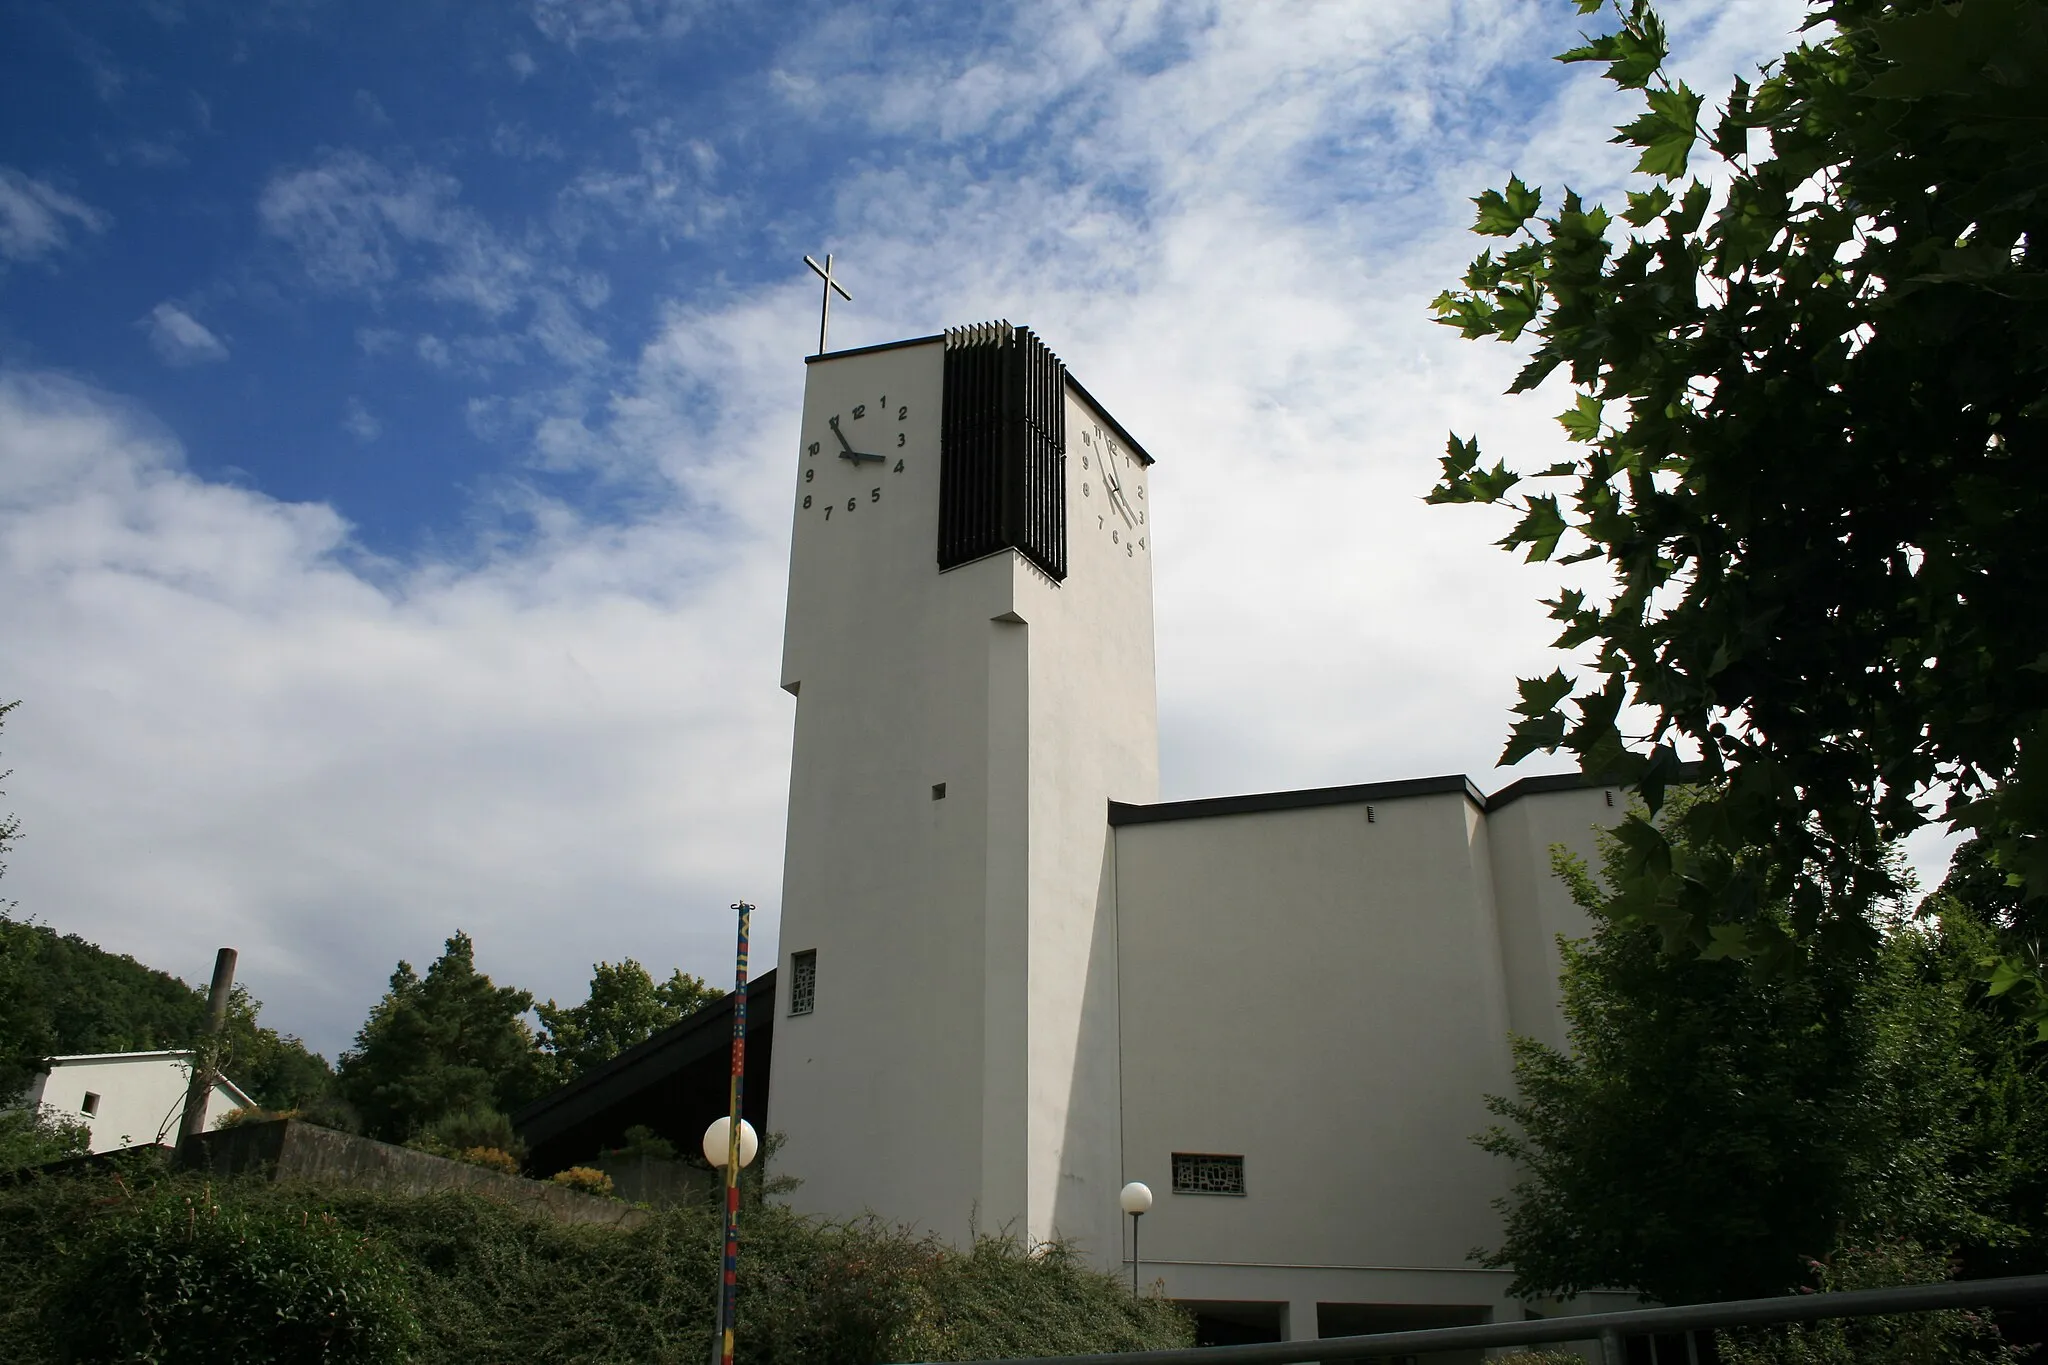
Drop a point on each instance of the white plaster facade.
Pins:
(127, 1099)
(1045, 983)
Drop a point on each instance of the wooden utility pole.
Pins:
(206, 1051)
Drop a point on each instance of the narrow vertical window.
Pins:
(90, 1105)
(803, 981)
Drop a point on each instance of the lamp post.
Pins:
(718, 1146)
(1135, 1198)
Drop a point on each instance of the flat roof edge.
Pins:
(870, 350)
(1124, 813)
(1542, 784)
(1082, 389)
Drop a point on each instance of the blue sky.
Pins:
(397, 401)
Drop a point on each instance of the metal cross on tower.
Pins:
(824, 273)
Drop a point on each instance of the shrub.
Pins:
(177, 1277)
(490, 1158)
(251, 1113)
(489, 1283)
(35, 1137)
(585, 1179)
(642, 1141)
(469, 1128)
(1540, 1358)
(1954, 1337)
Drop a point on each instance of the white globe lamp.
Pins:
(1136, 1200)
(718, 1143)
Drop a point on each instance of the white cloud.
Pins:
(573, 22)
(37, 218)
(232, 734)
(180, 339)
(359, 422)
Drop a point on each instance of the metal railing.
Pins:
(1609, 1329)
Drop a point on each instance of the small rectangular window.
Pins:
(938, 791)
(803, 981)
(1207, 1173)
(90, 1105)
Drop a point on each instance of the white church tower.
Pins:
(969, 641)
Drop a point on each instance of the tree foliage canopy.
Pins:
(1714, 1127)
(60, 994)
(1811, 394)
(625, 1006)
(440, 1044)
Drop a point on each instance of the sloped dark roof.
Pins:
(675, 1083)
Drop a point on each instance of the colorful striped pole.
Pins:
(729, 1296)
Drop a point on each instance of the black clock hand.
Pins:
(1113, 485)
(849, 453)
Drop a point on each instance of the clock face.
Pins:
(850, 463)
(1112, 503)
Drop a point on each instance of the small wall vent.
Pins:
(1207, 1173)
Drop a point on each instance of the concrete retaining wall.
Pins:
(288, 1150)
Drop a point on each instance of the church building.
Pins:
(1013, 979)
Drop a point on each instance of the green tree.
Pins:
(625, 1006)
(1813, 411)
(1713, 1128)
(60, 994)
(440, 1044)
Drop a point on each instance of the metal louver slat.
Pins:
(1002, 474)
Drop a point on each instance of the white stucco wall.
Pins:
(1331, 997)
(141, 1095)
(1323, 996)
(1534, 905)
(964, 969)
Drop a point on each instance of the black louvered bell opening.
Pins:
(1003, 448)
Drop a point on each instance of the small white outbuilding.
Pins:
(127, 1099)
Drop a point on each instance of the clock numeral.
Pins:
(874, 495)
(1128, 552)
(813, 450)
(1098, 522)
(1141, 516)
(810, 474)
(1084, 458)
(899, 438)
(1141, 494)
(1141, 542)
(828, 511)
(1084, 490)
(884, 404)
(860, 410)
(903, 412)
(807, 501)
(1112, 538)
(899, 466)
(851, 503)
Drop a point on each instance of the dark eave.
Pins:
(667, 1052)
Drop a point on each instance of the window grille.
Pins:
(1207, 1173)
(803, 982)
